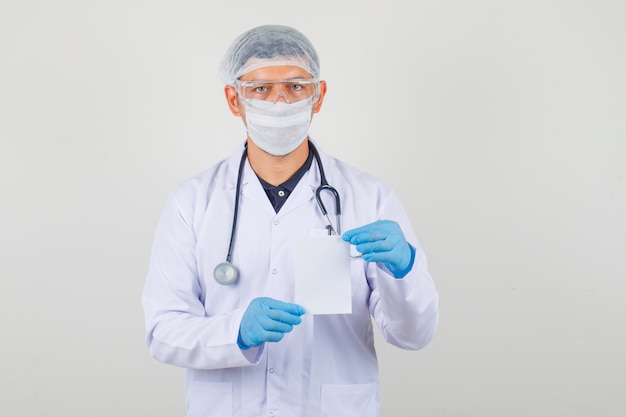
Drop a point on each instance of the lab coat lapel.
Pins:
(251, 188)
(230, 182)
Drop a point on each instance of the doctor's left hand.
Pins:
(383, 241)
(267, 320)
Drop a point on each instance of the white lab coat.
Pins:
(327, 365)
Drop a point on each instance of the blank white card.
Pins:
(323, 275)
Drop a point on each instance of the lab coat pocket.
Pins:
(209, 399)
(349, 400)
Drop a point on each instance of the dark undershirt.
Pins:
(279, 194)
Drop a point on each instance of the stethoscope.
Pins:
(226, 273)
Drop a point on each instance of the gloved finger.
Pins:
(358, 236)
(268, 324)
(290, 308)
(384, 257)
(377, 246)
(260, 337)
(283, 317)
(377, 230)
(273, 336)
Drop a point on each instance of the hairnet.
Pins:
(266, 46)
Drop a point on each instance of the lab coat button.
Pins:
(271, 370)
(274, 271)
(276, 222)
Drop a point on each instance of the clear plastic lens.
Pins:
(292, 90)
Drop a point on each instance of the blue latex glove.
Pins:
(383, 241)
(267, 320)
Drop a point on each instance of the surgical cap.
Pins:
(266, 46)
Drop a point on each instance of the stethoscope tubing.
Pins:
(236, 210)
(225, 272)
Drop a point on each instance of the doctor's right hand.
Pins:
(267, 320)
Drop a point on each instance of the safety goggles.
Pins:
(292, 90)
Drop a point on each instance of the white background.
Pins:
(500, 124)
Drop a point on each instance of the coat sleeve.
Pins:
(178, 330)
(406, 310)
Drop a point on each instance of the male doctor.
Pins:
(249, 350)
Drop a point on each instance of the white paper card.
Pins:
(323, 284)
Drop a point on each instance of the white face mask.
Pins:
(278, 127)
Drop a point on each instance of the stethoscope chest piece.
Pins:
(225, 273)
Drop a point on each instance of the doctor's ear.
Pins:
(232, 99)
(322, 92)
